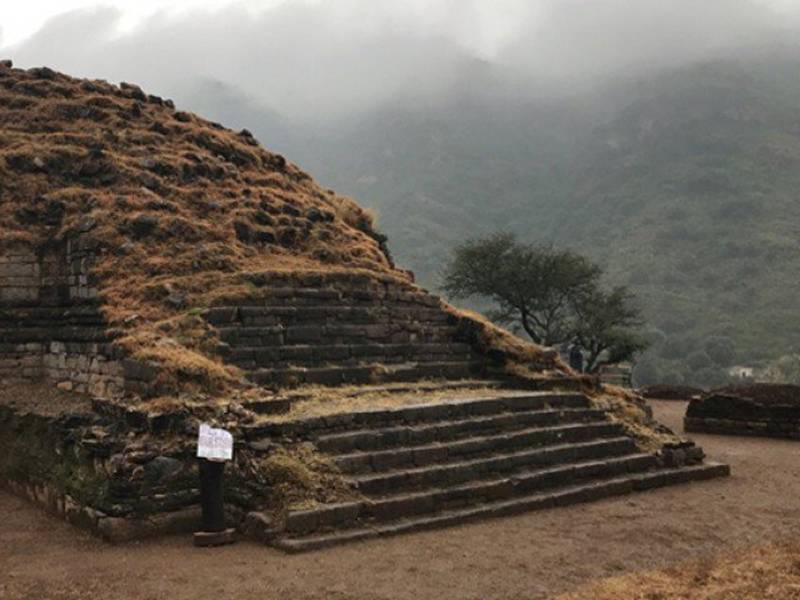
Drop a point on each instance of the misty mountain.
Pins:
(690, 195)
(684, 185)
(235, 109)
(438, 176)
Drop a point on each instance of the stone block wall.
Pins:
(87, 468)
(340, 328)
(21, 283)
(20, 276)
(50, 324)
(722, 413)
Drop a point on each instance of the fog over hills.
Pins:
(661, 138)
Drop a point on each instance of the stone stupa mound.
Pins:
(159, 272)
(131, 234)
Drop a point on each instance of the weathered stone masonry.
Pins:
(50, 324)
(732, 415)
(85, 467)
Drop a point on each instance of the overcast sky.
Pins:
(324, 56)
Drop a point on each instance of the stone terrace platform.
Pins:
(342, 328)
(447, 462)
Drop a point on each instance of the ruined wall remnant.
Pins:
(50, 320)
(761, 409)
(20, 276)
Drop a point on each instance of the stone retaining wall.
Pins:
(725, 413)
(340, 327)
(51, 326)
(764, 428)
(100, 473)
(110, 529)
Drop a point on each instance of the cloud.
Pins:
(579, 41)
(300, 57)
(316, 58)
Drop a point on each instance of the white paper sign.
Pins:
(214, 444)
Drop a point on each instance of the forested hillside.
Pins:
(684, 184)
(691, 195)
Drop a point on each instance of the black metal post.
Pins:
(211, 495)
(214, 532)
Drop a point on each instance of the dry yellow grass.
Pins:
(177, 209)
(297, 477)
(491, 339)
(173, 205)
(628, 409)
(318, 401)
(180, 212)
(770, 572)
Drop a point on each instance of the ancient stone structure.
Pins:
(160, 272)
(440, 464)
(670, 392)
(51, 326)
(769, 410)
(343, 328)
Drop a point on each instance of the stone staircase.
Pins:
(342, 334)
(425, 466)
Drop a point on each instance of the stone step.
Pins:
(48, 314)
(397, 506)
(457, 472)
(278, 335)
(283, 403)
(336, 292)
(253, 357)
(287, 314)
(442, 451)
(74, 333)
(422, 423)
(12, 321)
(585, 491)
(339, 375)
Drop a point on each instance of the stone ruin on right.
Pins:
(760, 409)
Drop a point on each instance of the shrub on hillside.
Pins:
(698, 360)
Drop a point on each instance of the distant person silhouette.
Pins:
(576, 358)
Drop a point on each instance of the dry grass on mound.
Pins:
(297, 478)
(171, 204)
(183, 347)
(319, 401)
(500, 344)
(770, 572)
(178, 211)
(628, 409)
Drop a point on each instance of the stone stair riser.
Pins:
(552, 406)
(423, 434)
(255, 316)
(362, 374)
(391, 361)
(347, 299)
(253, 358)
(397, 333)
(456, 473)
(442, 452)
(587, 492)
(399, 507)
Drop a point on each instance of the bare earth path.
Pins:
(530, 556)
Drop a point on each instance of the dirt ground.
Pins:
(769, 572)
(531, 556)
